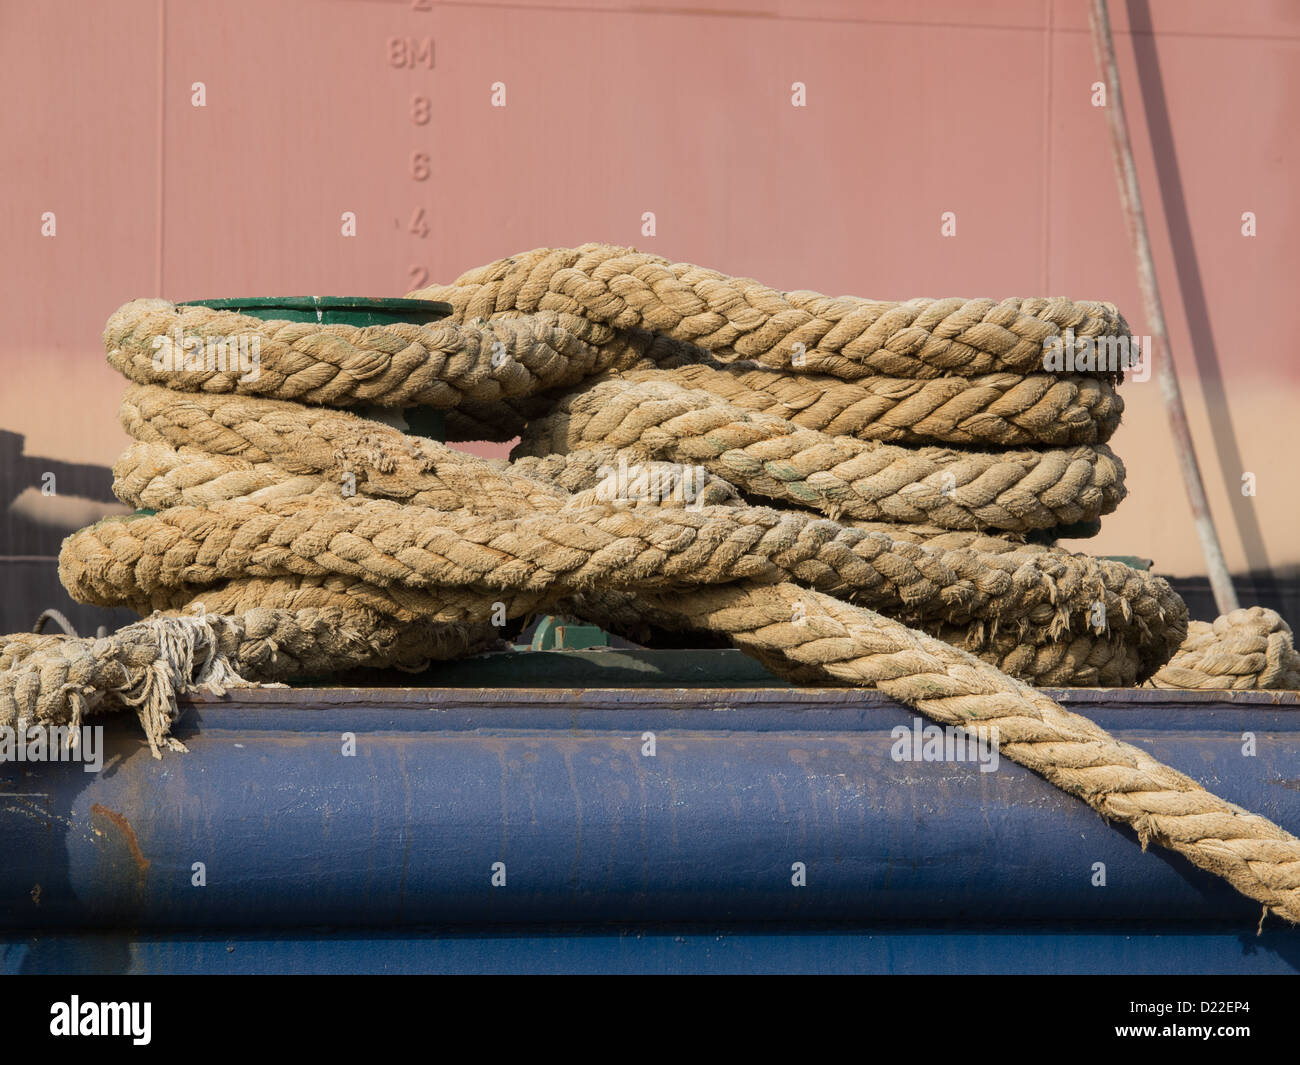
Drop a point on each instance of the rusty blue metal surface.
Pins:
(393, 849)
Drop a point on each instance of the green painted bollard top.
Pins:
(331, 310)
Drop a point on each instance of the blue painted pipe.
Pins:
(445, 783)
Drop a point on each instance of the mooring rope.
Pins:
(852, 491)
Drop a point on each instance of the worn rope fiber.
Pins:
(848, 490)
(1244, 649)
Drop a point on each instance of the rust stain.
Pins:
(142, 863)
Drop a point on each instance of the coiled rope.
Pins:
(878, 483)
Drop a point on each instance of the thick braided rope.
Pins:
(438, 365)
(317, 541)
(1252, 648)
(166, 561)
(320, 447)
(1004, 409)
(865, 480)
(489, 373)
(1007, 409)
(733, 317)
(150, 560)
(1084, 659)
(306, 345)
(840, 476)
